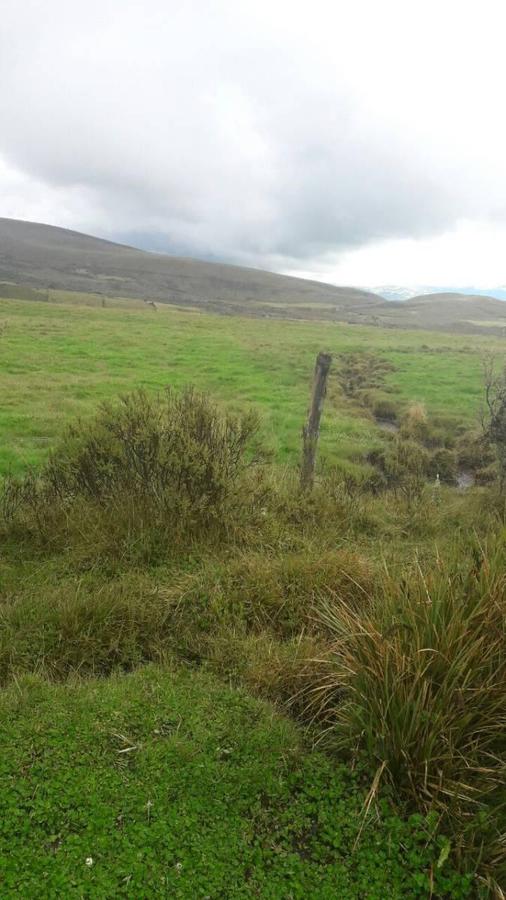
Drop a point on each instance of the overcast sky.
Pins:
(360, 142)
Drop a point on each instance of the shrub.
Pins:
(418, 684)
(474, 451)
(174, 446)
(405, 465)
(163, 467)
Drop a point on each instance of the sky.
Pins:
(355, 142)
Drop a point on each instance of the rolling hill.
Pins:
(37, 258)
(45, 257)
(406, 292)
(446, 312)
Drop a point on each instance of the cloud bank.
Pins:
(283, 135)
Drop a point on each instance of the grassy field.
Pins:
(214, 685)
(59, 360)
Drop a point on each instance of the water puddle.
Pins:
(465, 480)
(387, 425)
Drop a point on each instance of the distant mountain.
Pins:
(42, 256)
(391, 292)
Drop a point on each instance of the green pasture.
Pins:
(185, 778)
(60, 359)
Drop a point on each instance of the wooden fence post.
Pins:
(311, 431)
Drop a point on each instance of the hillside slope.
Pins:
(447, 311)
(42, 256)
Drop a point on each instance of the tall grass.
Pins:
(417, 683)
(94, 624)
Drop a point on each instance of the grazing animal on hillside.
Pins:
(151, 303)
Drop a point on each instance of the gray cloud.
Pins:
(208, 130)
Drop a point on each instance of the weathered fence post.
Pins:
(311, 431)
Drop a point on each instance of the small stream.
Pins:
(465, 480)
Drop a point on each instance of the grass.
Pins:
(416, 680)
(59, 360)
(59, 622)
(145, 541)
(166, 784)
(413, 669)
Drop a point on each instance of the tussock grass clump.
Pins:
(267, 666)
(474, 451)
(418, 684)
(340, 505)
(403, 466)
(383, 407)
(91, 626)
(431, 432)
(415, 421)
(362, 372)
(255, 595)
(146, 471)
(94, 625)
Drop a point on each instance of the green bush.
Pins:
(148, 469)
